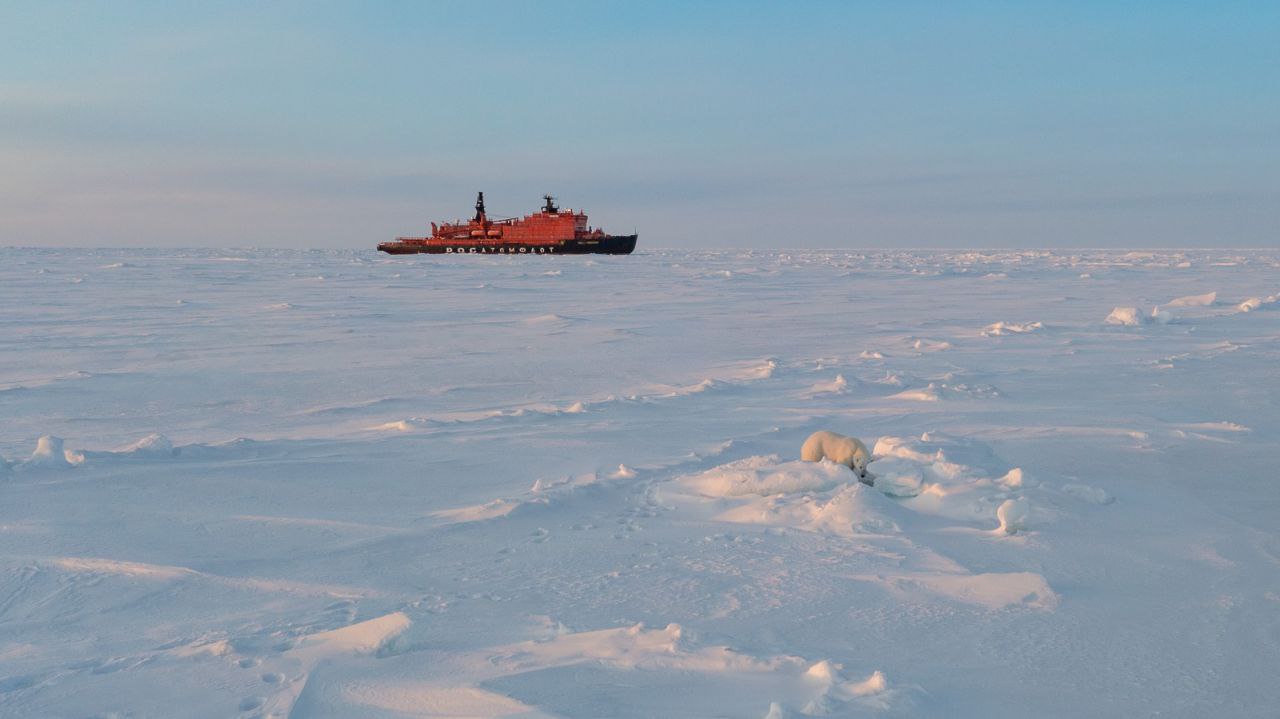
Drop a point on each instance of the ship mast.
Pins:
(550, 207)
(480, 216)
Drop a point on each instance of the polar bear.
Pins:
(839, 449)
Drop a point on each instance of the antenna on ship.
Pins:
(550, 207)
(479, 208)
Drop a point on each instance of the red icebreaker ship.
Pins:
(550, 232)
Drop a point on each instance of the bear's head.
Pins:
(860, 464)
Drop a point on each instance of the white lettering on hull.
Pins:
(500, 250)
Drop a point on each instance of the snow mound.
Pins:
(1000, 329)
(761, 371)
(1125, 316)
(924, 345)
(412, 424)
(364, 637)
(50, 454)
(992, 590)
(624, 472)
(802, 687)
(744, 371)
(939, 391)
(547, 319)
(315, 653)
(112, 567)
(1012, 479)
(153, 445)
(839, 385)
(1133, 317)
(1086, 493)
(834, 690)
(674, 392)
(377, 698)
(478, 682)
(402, 425)
(851, 510)
(932, 393)
(891, 380)
(1216, 426)
(1256, 303)
(951, 477)
(932, 449)
(766, 476)
(822, 497)
(478, 512)
(897, 477)
(1205, 300)
(1013, 515)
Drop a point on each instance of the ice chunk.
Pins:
(1125, 316)
(1013, 515)
(1012, 478)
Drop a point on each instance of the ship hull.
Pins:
(607, 245)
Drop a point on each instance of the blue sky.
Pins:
(807, 124)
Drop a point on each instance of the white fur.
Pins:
(838, 448)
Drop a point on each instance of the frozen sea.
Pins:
(250, 483)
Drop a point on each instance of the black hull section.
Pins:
(607, 245)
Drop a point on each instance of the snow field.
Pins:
(339, 484)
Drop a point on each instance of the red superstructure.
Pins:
(550, 231)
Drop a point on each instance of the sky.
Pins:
(697, 124)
